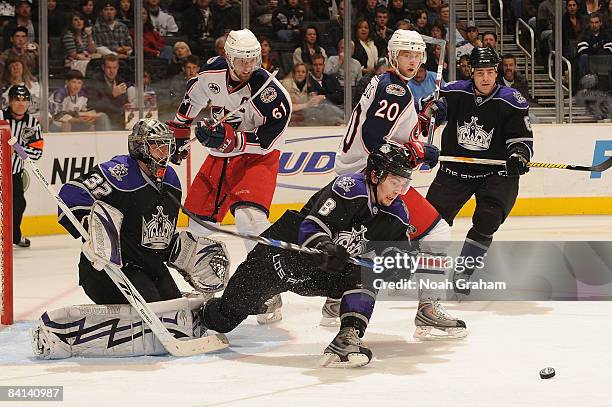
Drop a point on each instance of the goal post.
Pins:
(6, 203)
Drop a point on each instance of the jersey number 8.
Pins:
(387, 111)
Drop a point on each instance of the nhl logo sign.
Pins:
(268, 95)
(214, 88)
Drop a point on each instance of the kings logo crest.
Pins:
(118, 171)
(157, 232)
(473, 136)
(354, 241)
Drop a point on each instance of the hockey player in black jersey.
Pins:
(137, 185)
(485, 120)
(339, 220)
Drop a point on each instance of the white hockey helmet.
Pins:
(242, 44)
(405, 40)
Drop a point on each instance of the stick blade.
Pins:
(602, 166)
(207, 344)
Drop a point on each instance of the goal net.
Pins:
(6, 226)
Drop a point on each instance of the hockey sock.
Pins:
(356, 308)
(250, 221)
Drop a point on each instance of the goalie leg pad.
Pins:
(113, 330)
(202, 262)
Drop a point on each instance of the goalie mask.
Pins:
(152, 142)
(243, 53)
(406, 40)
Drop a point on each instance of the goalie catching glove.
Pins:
(103, 246)
(202, 262)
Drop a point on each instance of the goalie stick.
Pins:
(468, 160)
(174, 346)
(359, 261)
(224, 118)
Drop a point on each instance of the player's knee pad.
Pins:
(202, 262)
(221, 317)
(251, 221)
(113, 330)
(488, 218)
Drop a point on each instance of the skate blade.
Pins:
(333, 360)
(330, 321)
(269, 318)
(429, 333)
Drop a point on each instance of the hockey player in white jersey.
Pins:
(386, 112)
(239, 174)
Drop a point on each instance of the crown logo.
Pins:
(157, 232)
(472, 136)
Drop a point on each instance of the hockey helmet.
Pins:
(390, 158)
(17, 91)
(148, 137)
(242, 44)
(405, 40)
(484, 57)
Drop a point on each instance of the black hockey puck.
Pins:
(547, 373)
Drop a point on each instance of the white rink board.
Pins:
(307, 162)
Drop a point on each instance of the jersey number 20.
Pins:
(387, 111)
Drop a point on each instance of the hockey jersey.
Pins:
(346, 212)
(149, 215)
(385, 112)
(263, 120)
(483, 127)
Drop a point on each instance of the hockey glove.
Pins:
(222, 137)
(182, 133)
(518, 157)
(422, 153)
(429, 107)
(334, 257)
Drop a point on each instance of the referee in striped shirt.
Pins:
(27, 130)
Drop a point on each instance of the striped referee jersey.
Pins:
(29, 136)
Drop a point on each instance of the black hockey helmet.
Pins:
(392, 158)
(17, 91)
(148, 135)
(484, 57)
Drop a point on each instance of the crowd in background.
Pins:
(91, 50)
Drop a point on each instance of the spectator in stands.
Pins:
(382, 32)
(199, 24)
(589, 7)
(489, 39)
(23, 18)
(228, 17)
(309, 13)
(323, 9)
(68, 107)
(433, 56)
(367, 11)
(366, 51)
(163, 22)
(322, 84)
(607, 19)
(438, 31)
(153, 44)
(220, 46)
(421, 24)
(465, 70)
(21, 49)
(403, 25)
(190, 68)
(301, 99)
(545, 26)
(433, 10)
(472, 40)
(335, 30)
(423, 83)
(335, 65)
(125, 13)
(108, 92)
(78, 43)
(398, 11)
(286, 21)
(56, 18)
(110, 35)
(445, 21)
(17, 73)
(572, 25)
(511, 76)
(380, 66)
(180, 51)
(88, 11)
(269, 59)
(261, 11)
(593, 42)
(310, 46)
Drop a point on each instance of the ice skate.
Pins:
(331, 313)
(271, 311)
(346, 350)
(434, 323)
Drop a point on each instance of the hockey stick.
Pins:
(468, 160)
(359, 261)
(224, 118)
(174, 346)
(432, 119)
